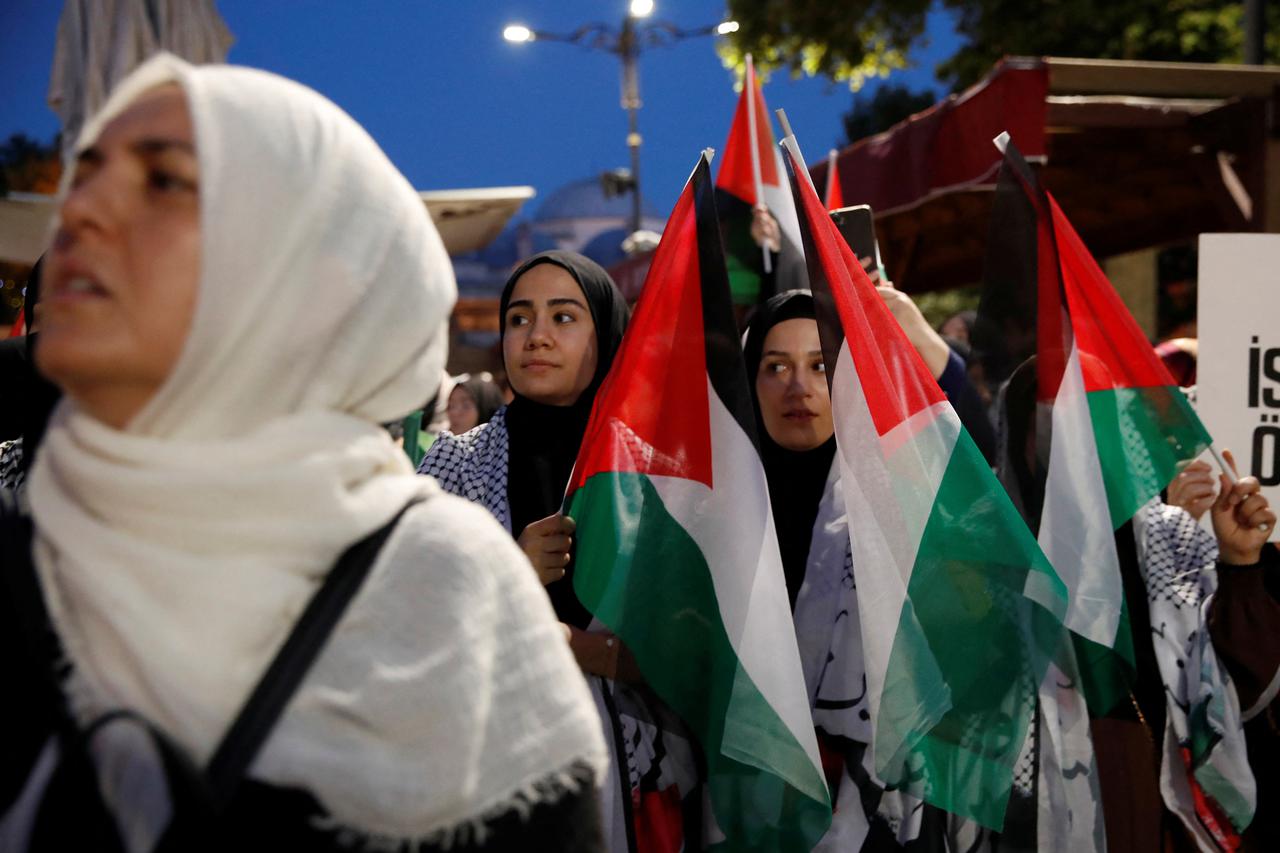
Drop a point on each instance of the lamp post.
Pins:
(626, 43)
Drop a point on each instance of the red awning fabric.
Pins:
(948, 146)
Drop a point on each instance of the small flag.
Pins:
(751, 174)
(677, 552)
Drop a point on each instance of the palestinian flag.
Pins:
(834, 196)
(948, 576)
(1120, 426)
(751, 173)
(677, 552)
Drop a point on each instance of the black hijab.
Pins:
(544, 439)
(797, 478)
(29, 398)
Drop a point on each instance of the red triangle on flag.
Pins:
(652, 415)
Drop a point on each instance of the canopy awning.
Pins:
(24, 226)
(1139, 154)
(467, 219)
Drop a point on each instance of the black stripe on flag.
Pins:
(1004, 333)
(725, 367)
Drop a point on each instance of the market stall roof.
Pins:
(467, 219)
(24, 226)
(1138, 154)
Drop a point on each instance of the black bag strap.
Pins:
(265, 705)
(243, 740)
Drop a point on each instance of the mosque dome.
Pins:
(585, 199)
(606, 247)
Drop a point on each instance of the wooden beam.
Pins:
(1159, 79)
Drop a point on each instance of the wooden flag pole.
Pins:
(755, 156)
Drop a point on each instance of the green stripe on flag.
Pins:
(1142, 435)
(1106, 673)
(990, 643)
(643, 576)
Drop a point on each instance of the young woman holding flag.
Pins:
(562, 319)
(793, 406)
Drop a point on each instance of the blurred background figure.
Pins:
(472, 402)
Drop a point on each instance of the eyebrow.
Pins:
(146, 147)
(811, 353)
(558, 300)
(158, 145)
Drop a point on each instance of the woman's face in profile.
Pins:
(121, 278)
(791, 386)
(549, 345)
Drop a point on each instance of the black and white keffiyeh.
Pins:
(1205, 777)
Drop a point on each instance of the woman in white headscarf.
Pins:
(241, 288)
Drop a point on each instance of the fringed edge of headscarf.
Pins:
(578, 776)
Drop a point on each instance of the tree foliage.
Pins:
(850, 40)
(1166, 30)
(29, 166)
(857, 40)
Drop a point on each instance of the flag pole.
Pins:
(1231, 475)
(755, 155)
(789, 143)
(1222, 463)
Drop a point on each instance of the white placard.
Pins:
(1238, 368)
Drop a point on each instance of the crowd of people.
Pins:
(234, 614)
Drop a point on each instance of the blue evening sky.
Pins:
(454, 105)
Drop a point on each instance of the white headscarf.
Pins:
(176, 553)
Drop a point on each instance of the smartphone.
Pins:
(857, 225)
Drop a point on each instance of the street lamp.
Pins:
(625, 43)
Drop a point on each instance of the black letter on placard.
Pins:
(1271, 367)
(1255, 370)
(1268, 475)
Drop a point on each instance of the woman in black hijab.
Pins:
(562, 322)
(793, 421)
(785, 366)
(548, 353)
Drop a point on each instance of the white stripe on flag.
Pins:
(890, 485)
(782, 204)
(732, 524)
(1075, 524)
